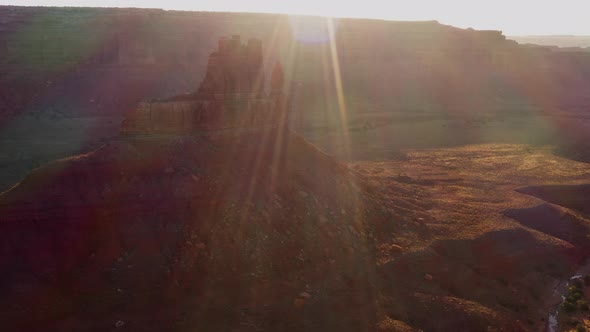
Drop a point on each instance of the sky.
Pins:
(513, 17)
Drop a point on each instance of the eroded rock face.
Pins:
(234, 68)
(231, 95)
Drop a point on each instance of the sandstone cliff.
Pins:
(231, 95)
(116, 57)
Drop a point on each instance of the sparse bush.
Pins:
(578, 283)
(583, 305)
(576, 296)
(568, 306)
(580, 328)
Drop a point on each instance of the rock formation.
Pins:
(276, 80)
(234, 68)
(226, 230)
(231, 95)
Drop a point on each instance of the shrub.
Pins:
(568, 306)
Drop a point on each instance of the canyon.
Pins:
(424, 74)
(386, 176)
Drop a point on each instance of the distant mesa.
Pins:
(231, 95)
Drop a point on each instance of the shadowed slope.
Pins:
(551, 220)
(576, 197)
(189, 233)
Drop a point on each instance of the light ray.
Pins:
(263, 145)
(338, 84)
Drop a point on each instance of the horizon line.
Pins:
(229, 11)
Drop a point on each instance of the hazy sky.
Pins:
(514, 17)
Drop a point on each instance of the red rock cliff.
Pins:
(231, 95)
